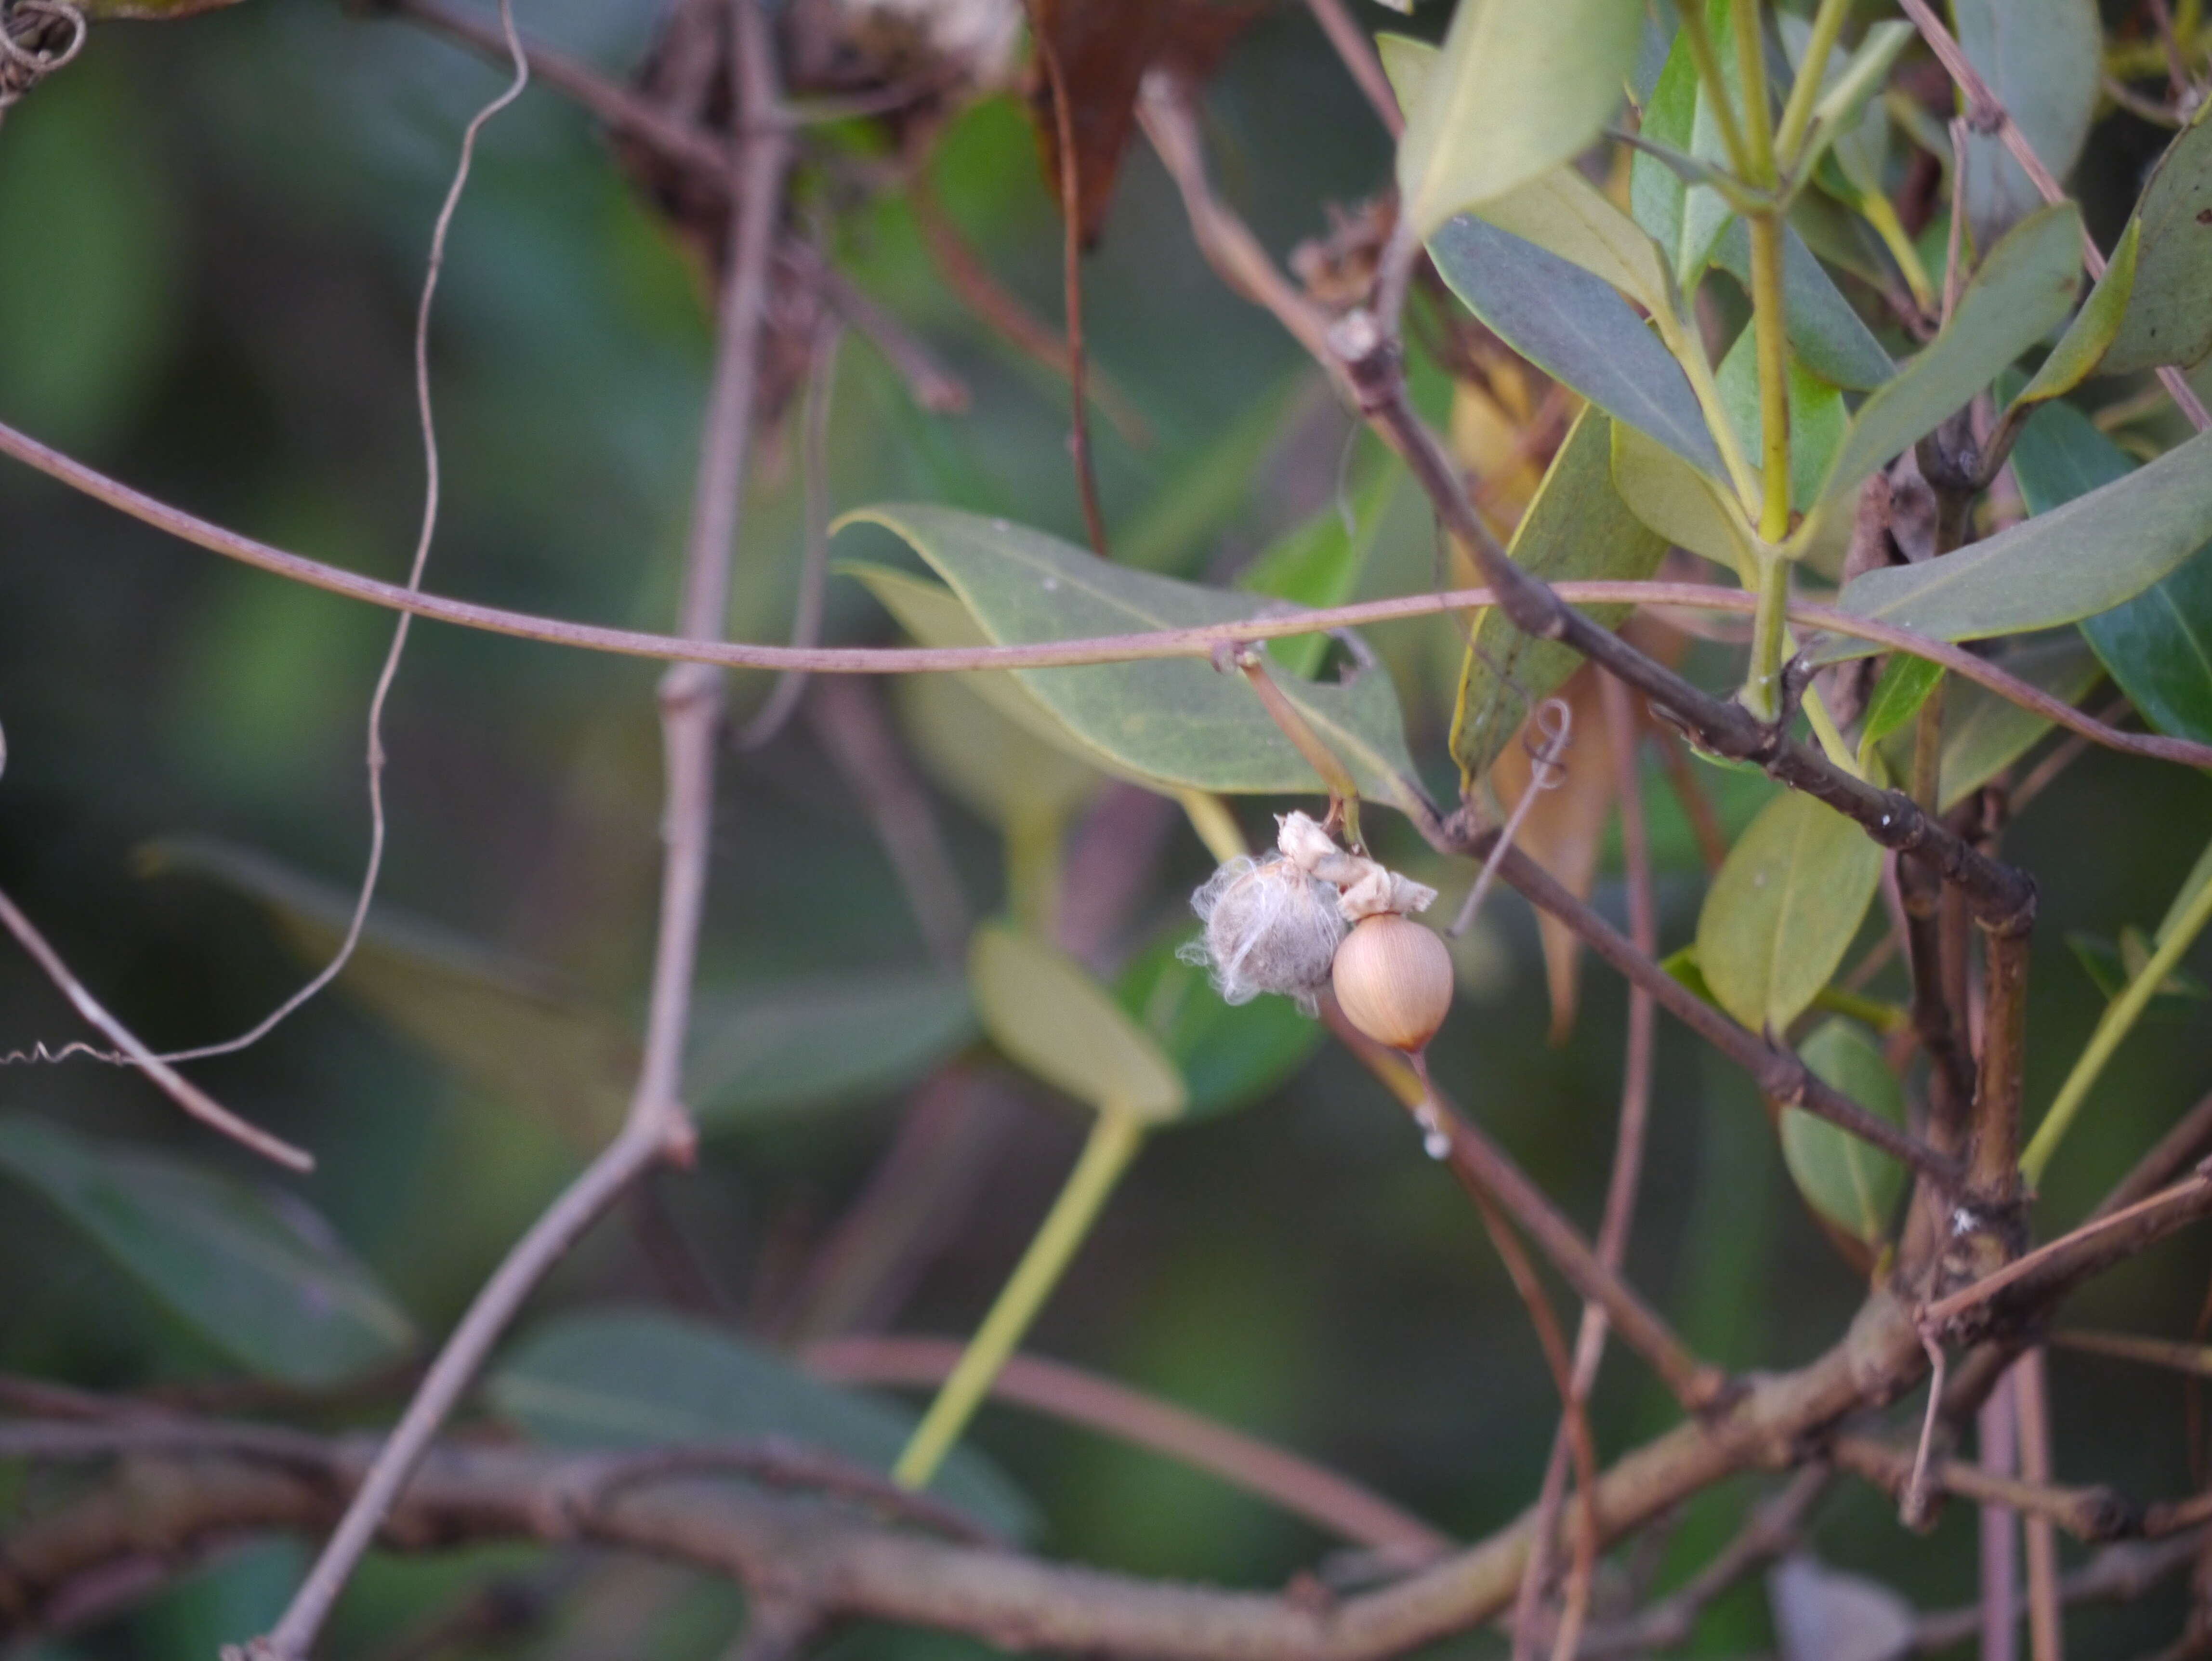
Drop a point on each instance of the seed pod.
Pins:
(1269, 927)
(1393, 979)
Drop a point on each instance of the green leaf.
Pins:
(508, 1029)
(2090, 335)
(642, 1379)
(1563, 213)
(2167, 319)
(1173, 723)
(1984, 733)
(1318, 563)
(1817, 417)
(1575, 328)
(999, 767)
(1683, 965)
(2061, 566)
(1848, 87)
(1905, 683)
(1782, 909)
(2040, 58)
(783, 1048)
(1521, 86)
(1685, 507)
(1685, 219)
(1577, 527)
(1407, 62)
(2158, 645)
(2019, 294)
(1825, 332)
(1232, 1055)
(1044, 1010)
(1853, 1186)
(254, 1270)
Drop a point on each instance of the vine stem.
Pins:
(1114, 1139)
(2119, 1020)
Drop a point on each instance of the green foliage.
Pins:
(1575, 326)
(624, 1379)
(1318, 563)
(2019, 294)
(2090, 335)
(1576, 526)
(2070, 563)
(1685, 220)
(1784, 909)
(1905, 686)
(256, 1272)
(1852, 1187)
(1825, 332)
(1044, 1010)
(2167, 320)
(1817, 417)
(1174, 723)
(1984, 733)
(1687, 507)
(2040, 58)
(2157, 645)
(1519, 86)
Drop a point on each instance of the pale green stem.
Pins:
(2119, 1018)
(1880, 213)
(1805, 92)
(1767, 318)
(1114, 1143)
(1830, 736)
(1216, 825)
(1762, 686)
(1682, 342)
(1713, 83)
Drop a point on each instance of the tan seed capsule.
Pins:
(1393, 979)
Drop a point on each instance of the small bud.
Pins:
(1269, 927)
(1393, 979)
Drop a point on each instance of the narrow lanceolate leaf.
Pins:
(1043, 1009)
(1689, 509)
(2040, 58)
(1850, 87)
(1578, 329)
(253, 1271)
(2157, 646)
(1905, 686)
(1563, 213)
(1231, 1055)
(1818, 419)
(763, 1052)
(1577, 527)
(1825, 330)
(2168, 320)
(641, 1378)
(2020, 293)
(1852, 1187)
(1175, 723)
(1783, 909)
(1521, 86)
(1685, 219)
(2070, 563)
(2082, 348)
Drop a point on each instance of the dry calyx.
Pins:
(1316, 914)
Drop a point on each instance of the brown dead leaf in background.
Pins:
(1102, 49)
(1564, 829)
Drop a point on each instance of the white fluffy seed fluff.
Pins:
(1269, 927)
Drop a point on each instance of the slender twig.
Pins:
(1628, 1135)
(2118, 1574)
(814, 564)
(1071, 215)
(1996, 1437)
(931, 385)
(2182, 1146)
(656, 1128)
(1270, 622)
(2033, 1403)
(2086, 1513)
(1479, 1163)
(1555, 717)
(1770, 1531)
(1350, 44)
(180, 1090)
(1296, 1486)
(2193, 1359)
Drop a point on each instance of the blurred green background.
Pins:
(211, 236)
